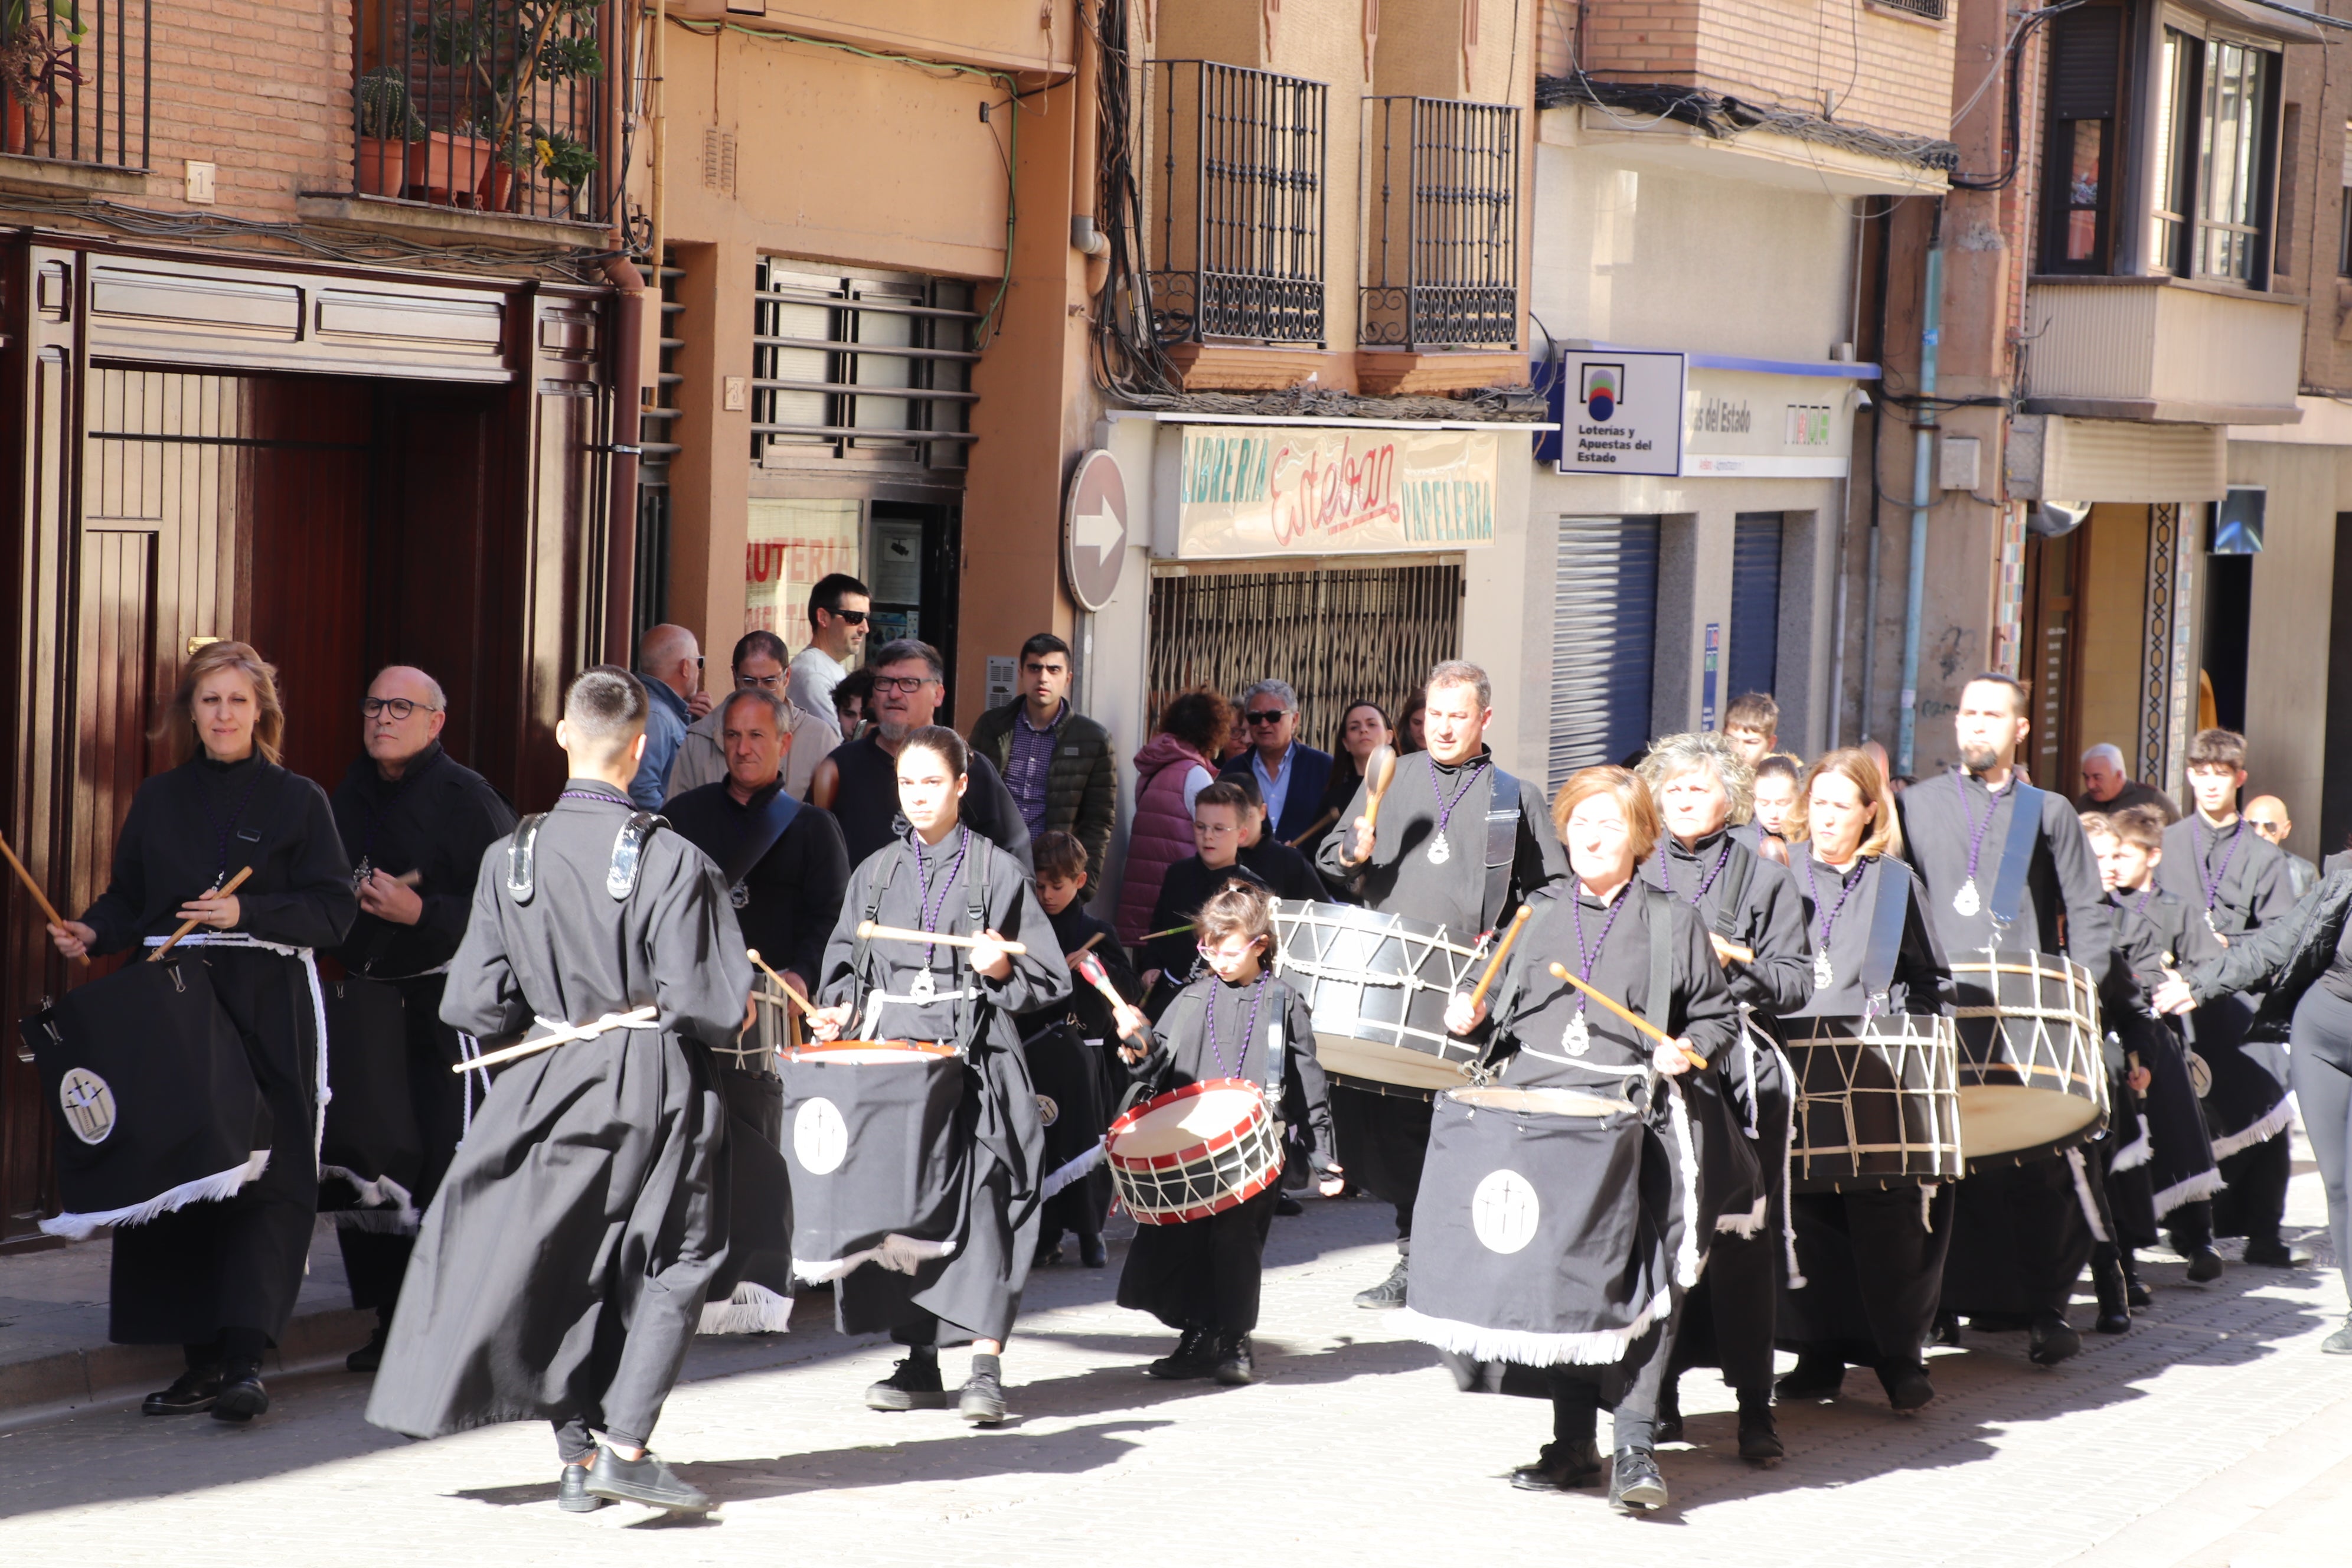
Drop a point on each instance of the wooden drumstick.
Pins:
(786, 986)
(1084, 948)
(1559, 972)
(1380, 772)
(1502, 952)
(33, 887)
(1314, 827)
(228, 887)
(868, 932)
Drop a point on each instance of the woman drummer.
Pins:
(1872, 1262)
(944, 878)
(1599, 926)
(220, 1278)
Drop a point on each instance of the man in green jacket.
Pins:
(1056, 761)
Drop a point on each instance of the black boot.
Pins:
(1906, 1386)
(914, 1381)
(370, 1356)
(2270, 1252)
(2135, 1293)
(2052, 1339)
(1236, 1366)
(1759, 1441)
(1562, 1466)
(1817, 1376)
(2108, 1280)
(241, 1396)
(1195, 1356)
(1668, 1428)
(1092, 1252)
(191, 1394)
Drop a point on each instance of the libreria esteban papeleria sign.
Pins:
(1282, 490)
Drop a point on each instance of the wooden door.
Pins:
(2054, 622)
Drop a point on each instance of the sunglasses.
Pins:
(1275, 717)
(2268, 829)
(848, 618)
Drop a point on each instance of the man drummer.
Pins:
(2007, 868)
(1460, 844)
(414, 822)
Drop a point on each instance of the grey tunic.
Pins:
(1399, 878)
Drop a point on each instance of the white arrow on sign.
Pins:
(1100, 531)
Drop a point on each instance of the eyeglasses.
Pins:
(908, 684)
(759, 682)
(401, 707)
(1215, 829)
(848, 618)
(1263, 716)
(2268, 829)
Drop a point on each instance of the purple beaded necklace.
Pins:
(931, 917)
(1249, 1030)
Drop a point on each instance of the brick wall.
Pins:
(260, 87)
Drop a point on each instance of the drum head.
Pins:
(873, 1053)
(1186, 1124)
(1538, 1101)
(2001, 1119)
(1380, 1063)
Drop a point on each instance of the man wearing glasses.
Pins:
(838, 609)
(2266, 814)
(759, 666)
(1290, 776)
(414, 822)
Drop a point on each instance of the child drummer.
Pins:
(1200, 1277)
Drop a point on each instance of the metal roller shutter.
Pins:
(1753, 660)
(1603, 638)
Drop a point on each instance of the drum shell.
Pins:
(2034, 1079)
(1337, 955)
(1221, 1170)
(885, 1156)
(1899, 1086)
(187, 1104)
(371, 1123)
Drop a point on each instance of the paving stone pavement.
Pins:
(2212, 1436)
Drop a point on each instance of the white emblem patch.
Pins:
(1047, 1111)
(1504, 1211)
(820, 1137)
(88, 1103)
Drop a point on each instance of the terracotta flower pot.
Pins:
(433, 170)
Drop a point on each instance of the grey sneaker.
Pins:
(1388, 1293)
(2340, 1341)
(648, 1481)
(571, 1494)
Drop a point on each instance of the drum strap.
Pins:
(1890, 907)
(1735, 889)
(1660, 916)
(2016, 854)
(1501, 845)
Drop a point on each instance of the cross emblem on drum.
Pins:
(1505, 1212)
(87, 1104)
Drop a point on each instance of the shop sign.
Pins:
(1275, 490)
(1619, 412)
(1766, 425)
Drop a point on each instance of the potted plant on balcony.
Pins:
(389, 126)
(35, 66)
(509, 47)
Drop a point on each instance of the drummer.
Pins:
(943, 876)
(1755, 922)
(2021, 1233)
(1460, 844)
(1202, 1276)
(1869, 1265)
(1615, 932)
(219, 1279)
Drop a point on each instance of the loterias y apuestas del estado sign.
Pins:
(1250, 490)
(1619, 412)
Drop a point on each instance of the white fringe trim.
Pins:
(2136, 1153)
(2195, 1190)
(1076, 1170)
(1744, 1225)
(752, 1309)
(2083, 1194)
(1788, 1159)
(383, 1203)
(1686, 1256)
(204, 1189)
(2274, 1123)
(1598, 1347)
(899, 1254)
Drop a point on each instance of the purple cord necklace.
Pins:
(1577, 1036)
(931, 917)
(1966, 904)
(1706, 883)
(2212, 886)
(1440, 851)
(1823, 975)
(1249, 1030)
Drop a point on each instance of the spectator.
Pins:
(670, 660)
(1170, 771)
(2107, 787)
(1363, 729)
(1290, 775)
(1284, 871)
(1408, 728)
(852, 704)
(1752, 725)
(2266, 814)
(759, 666)
(1056, 761)
(837, 611)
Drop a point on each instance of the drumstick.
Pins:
(1171, 931)
(1559, 972)
(868, 932)
(1732, 950)
(186, 926)
(1084, 947)
(33, 887)
(783, 984)
(1314, 827)
(1502, 952)
(1380, 772)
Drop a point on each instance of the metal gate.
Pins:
(1755, 655)
(1603, 640)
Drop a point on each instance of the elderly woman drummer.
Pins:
(220, 1278)
(1615, 933)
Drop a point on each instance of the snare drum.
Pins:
(1878, 1102)
(2033, 1082)
(1194, 1152)
(1378, 984)
(871, 1143)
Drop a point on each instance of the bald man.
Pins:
(414, 822)
(670, 662)
(2266, 814)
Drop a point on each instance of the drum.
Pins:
(875, 1166)
(1194, 1152)
(1878, 1102)
(1541, 1237)
(371, 1155)
(1378, 985)
(2032, 1079)
(156, 1101)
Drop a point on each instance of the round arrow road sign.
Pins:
(1094, 530)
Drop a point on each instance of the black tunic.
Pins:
(792, 894)
(977, 1288)
(2249, 873)
(866, 803)
(1285, 871)
(2160, 1138)
(2248, 1101)
(181, 1278)
(1173, 947)
(561, 1271)
(1923, 981)
(1073, 1051)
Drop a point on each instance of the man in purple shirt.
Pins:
(1055, 761)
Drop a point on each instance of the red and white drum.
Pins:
(1194, 1152)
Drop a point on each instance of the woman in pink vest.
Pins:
(1170, 769)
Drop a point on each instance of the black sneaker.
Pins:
(1906, 1386)
(572, 1493)
(913, 1383)
(1388, 1293)
(1668, 1428)
(369, 1356)
(1561, 1468)
(1286, 1206)
(647, 1480)
(1195, 1356)
(1759, 1440)
(983, 1400)
(2340, 1341)
(2204, 1266)
(191, 1394)
(1236, 1367)
(241, 1396)
(2050, 1340)
(1814, 1377)
(1092, 1252)
(2270, 1252)
(1634, 1484)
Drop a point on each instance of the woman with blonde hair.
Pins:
(219, 1278)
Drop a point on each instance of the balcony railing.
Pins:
(1440, 237)
(75, 80)
(494, 106)
(1236, 204)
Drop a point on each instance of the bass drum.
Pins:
(876, 1171)
(1878, 1103)
(1378, 984)
(2034, 1079)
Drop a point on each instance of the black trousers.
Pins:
(1384, 1139)
(1873, 1269)
(375, 1261)
(2323, 1087)
(2255, 1200)
(1629, 1388)
(1202, 1274)
(1727, 1320)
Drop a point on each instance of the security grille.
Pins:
(657, 445)
(1603, 640)
(864, 368)
(1933, 10)
(1441, 246)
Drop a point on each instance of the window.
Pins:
(2175, 158)
(2086, 78)
(860, 368)
(2343, 245)
(2232, 149)
(1441, 227)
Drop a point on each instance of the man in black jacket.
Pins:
(1290, 775)
(1055, 761)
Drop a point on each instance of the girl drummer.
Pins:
(944, 878)
(1873, 1260)
(220, 1278)
(1599, 926)
(1200, 1277)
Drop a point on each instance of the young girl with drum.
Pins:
(1648, 951)
(1237, 1021)
(885, 982)
(1872, 1260)
(220, 1277)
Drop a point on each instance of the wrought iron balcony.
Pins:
(495, 106)
(75, 81)
(1441, 233)
(1236, 204)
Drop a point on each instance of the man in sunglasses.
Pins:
(759, 666)
(2266, 814)
(837, 610)
(1289, 774)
